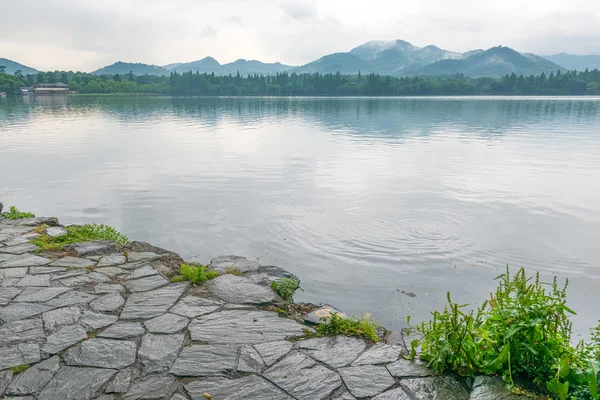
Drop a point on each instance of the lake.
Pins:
(368, 200)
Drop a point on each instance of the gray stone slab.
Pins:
(158, 352)
(142, 272)
(221, 263)
(61, 316)
(111, 260)
(4, 257)
(34, 280)
(243, 327)
(120, 383)
(111, 271)
(152, 387)
(20, 354)
(21, 239)
(303, 378)
(33, 380)
(123, 330)
(7, 294)
(89, 278)
(239, 290)
(9, 282)
(103, 288)
(152, 303)
(103, 353)
(435, 388)
(107, 397)
(178, 396)
(249, 360)
(145, 284)
(76, 383)
(409, 369)
(94, 258)
(336, 352)
(108, 302)
(491, 388)
(193, 306)
(5, 378)
(40, 294)
(19, 249)
(46, 270)
(167, 323)
(73, 262)
(94, 248)
(134, 256)
(71, 298)
(19, 311)
(342, 394)
(394, 394)
(27, 260)
(56, 231)
(95, 321)
(205, 360)
(18, 272)
(68, 274)
(65, 337)
(379, 353)
(366, 380)
(21, 331)
(249, 387)
(273, 351)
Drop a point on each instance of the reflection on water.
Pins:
(361, 198)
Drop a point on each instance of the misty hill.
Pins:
(136, 68)
(576, 62)
(344, 63)
(494, 62)
(12, 66)
(244, 67)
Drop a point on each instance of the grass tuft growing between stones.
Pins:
(78, 234)
(19, 368)
(14, 213)
(197, 275)
(522, 333)
(233, 271)
(338, 325)
(286, 288)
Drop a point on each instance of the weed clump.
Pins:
(78, 234)
(286, 288)
(233, 271)
(19, 368)
(14, 213)
(338, 325)
(522, 332)
(196, 275)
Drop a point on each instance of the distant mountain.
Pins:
(244, 67)
(494, 62)
(206, 65)
(344, 63)
(576, 62)
(12, 66)
(171, 66)
(136, 68)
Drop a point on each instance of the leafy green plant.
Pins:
(14, 213)
(197, 275)
(338, 325)
(78, 234)
(19, 368)
(523, 331)
(286, 288)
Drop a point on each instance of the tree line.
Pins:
(286, 84)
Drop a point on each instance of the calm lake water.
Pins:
(362, 198)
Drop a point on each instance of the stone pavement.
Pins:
(105, 323)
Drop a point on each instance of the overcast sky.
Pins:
(85, 35)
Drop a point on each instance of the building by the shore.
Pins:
(51, 88)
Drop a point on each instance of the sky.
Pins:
(84, 35)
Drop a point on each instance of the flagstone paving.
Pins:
(102, 322)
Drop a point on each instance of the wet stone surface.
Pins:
(104, 323)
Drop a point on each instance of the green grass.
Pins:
(233, 271)
(19, 368)
(197, 275)
(338, 325)
(523, 334)
(14, 213)
(78, 234)
(286, 288)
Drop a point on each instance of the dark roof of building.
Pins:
(49, 85)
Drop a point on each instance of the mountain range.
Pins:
(12, 66)
(397, 57)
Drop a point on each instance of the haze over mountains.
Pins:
(397, 58)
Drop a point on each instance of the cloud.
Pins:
(209, 31)
(299, 9)
(234, 19)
